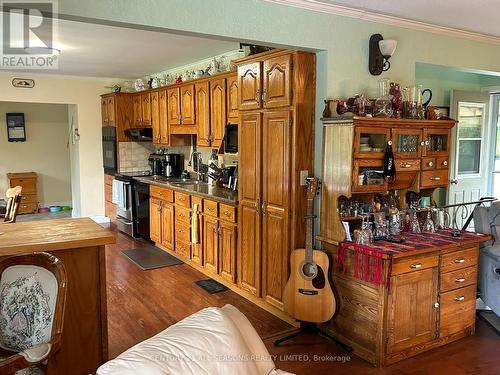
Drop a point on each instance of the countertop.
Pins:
(51, 235)
(215, 193)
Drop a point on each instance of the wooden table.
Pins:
(80, 245)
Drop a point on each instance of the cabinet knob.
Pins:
(416, 266)
(460, 280)
(445, 163)
(459, 261)
(422, 143)
(430, 164)
(459, 299)
(435, 178)
(227, 213)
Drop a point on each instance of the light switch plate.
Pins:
(303, 177)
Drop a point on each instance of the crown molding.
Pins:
(340, 10)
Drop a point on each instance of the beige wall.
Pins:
(82, 94)
(44, 152)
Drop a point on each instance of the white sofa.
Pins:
(213, 341)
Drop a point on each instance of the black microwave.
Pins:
(231, 139)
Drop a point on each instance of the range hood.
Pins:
(140, 134)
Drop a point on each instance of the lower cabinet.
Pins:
(227, 254)
(155, 220)
(211, 243)
(167, 225)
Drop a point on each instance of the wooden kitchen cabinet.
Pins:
(29, 194)
(108, 111)
(167, 225)
(162, 217)
(412, 311)
(197, 248)
(232, 99)
(182, 109)
(188, 113)
(276, 80)
(227, 251)
(142, 110)
(218, 113)
(155, 206)
(137, 110)
(249, 86)
(117, 109)
(211, 244)
(174, 106)
(203, 113)
(159, 117)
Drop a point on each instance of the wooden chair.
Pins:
(13, 202)
(32, 301)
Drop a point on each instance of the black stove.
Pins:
(128, 176)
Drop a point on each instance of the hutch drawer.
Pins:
(414, 264)
(459, 259)
(457, 310)
(182, 199)
(210, 208)
(430, 179)
(458, 279)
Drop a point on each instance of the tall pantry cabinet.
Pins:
(276, 96)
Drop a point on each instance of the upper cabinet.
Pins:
(142, 110)
(159, 113)
(188, 114)
(174, 106)
(249, 86)
(232, 99)
(203, 113)
(108, 111)
(218, 118)
(276, 82)
(182, 109)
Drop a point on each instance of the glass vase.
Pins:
(383, 105)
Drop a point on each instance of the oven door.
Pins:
(109, 149)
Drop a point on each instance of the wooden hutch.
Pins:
(431, 298)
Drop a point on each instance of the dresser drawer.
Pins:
(227, 213)
(197, 200)
(459, 259)
(27, 208)
(162, 193)
(29, 198)
(182, 232)
(428, 164)
(210, 208)
(409, 165)
(183, 248)
(182, 215)
(28, 184)
(458, 279)
(405, 265)
(442, 162)
(457, 310)
(182, 199)
(429, 179)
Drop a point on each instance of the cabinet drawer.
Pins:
(442, 162)
(161, 193)
(25, 208)
(458, 279)
(434, 178)
(29, 198)
(459, 259)
(183, 248)
(210, 208)
(182, 215)
(414, 264)
(409, 165)
(227, 213)
(182, 199)
(182, 232)
(28, 184)
(428, 164)
(197, 200)
(457, 310)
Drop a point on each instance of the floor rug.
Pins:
(211, 286)
(149, 258)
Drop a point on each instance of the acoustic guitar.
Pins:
(308, 296)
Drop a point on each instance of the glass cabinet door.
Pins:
(369, 142)
(368, 176)
(437, 142)
(406, 143)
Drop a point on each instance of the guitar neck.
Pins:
(309, 229)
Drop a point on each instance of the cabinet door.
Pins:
(276, 130)
(155, 220)
(146, 109)
(197, 248)
(437, 142)
(407, 143)
(203, 113)
(174, 106)
(368, 176)
(412, 312)
(110, 106)
(249, 218)
(163, 118)
(188, 114)
(155, 116)
(249, 86)
(217, 110)
(137, 110)
(276, 81)
(232, 99)
(104, 111)
(167, 226)
(211, 243)
(227, 245)
(370, 141)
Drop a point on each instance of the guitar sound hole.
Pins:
(319, 281)
(309, 269)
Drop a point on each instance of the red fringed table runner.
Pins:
(368, 259)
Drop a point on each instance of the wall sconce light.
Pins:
(380, 52)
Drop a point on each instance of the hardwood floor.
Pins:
(143, 303)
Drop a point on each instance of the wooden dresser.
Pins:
(28, 181)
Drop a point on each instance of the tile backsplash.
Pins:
(133, 156)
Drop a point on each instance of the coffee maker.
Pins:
(156, 163)
(172, 165)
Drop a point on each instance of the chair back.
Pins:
(13, 201)
(32, 301)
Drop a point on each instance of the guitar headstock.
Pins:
(313, 187)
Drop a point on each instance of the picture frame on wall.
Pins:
(16, 131)
(442, 112)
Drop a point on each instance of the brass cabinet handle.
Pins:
(416, 266)
(427, 143)
(460, 280)
(422, 143)
(445, 163)
(406, 165)
(459, 299)
(461, 260)
(430, 164)
(264, 96)
(435, 178)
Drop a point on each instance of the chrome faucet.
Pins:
(197, 162)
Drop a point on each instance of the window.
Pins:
(470, 132)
